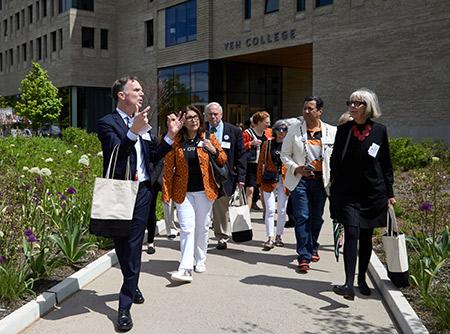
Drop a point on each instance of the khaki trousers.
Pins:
(221, 220)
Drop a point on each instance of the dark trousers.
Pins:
(128, 249)
(352, 235)
(308, 201)
(151, 224)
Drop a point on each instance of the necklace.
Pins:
(361, 135)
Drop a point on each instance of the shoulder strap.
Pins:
(346, 144)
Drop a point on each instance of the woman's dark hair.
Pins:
(319, 101)
(200, 131)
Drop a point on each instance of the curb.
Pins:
(23, 317)
(405, 317)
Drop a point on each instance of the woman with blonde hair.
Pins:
(188, 180)
(253, 138)
(361, 185)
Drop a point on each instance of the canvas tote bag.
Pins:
(394, 245)
(113, 202)
(239, 213)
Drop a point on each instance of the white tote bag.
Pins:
(239, 213)
(394, 245)
(113, 202)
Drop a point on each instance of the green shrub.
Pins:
(87, 142)
(406, 155)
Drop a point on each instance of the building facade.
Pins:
(247, 55)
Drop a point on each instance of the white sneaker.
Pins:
(200, 268)
(182, 276)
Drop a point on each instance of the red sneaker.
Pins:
(315, 257)
(303, 266)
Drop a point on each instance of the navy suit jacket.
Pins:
(112, 131)
(233, 135)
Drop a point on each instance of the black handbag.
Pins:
(220, 173)
(269, 176)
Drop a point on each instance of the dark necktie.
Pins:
(213, 129)
(128, 121)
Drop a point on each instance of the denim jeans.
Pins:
(308, 201)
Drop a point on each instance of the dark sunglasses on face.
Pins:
(356, 104)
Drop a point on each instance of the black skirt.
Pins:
(363, 216)
(250, 176)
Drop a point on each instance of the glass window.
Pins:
(44, 8)
(22, 17)
(11, 57)
(301, 6)
(53, 41)
(199, 77)
(247, 9)
(5, 27)
(149, 32)
(31, 50)
(30, 14)
(17, 21)
(60, 33)
(65, 5)
(1, 58)
(320, 3)
(87, 37)
(271, 6)
(24, 51)
(181, 23)
(182, 78)
(38, 11)
(104, 39)
(1, 4)
(39, 48)
(45, 47)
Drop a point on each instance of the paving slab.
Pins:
(245, 290)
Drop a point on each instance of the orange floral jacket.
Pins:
(270, 166)
(176, 171)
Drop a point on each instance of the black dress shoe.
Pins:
(344, 290)
(364, 288)
(124, 322)
(138, 297)
(221, 245)
(151, 250)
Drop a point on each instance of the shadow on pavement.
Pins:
(311, 288)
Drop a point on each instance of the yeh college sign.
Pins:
(270, 38)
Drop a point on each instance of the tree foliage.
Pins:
(39, 100)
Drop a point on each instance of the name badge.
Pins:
(226, 144)
(146, 136)
(373, 150)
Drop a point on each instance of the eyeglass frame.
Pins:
(354, 104)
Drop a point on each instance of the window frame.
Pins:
(188, 30)
(104, 41)
(325, 3)
(247, 9)
(269, 2)
(149, 37)
(85, 40)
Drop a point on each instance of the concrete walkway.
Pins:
(245, 290)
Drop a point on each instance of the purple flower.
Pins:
(30, 236)
(71, 190)
(35, 198)
(2, 259)
(63, 197)
(63, 205)
(426, 207)
(80, 176)
(49, 193)
(38, 180)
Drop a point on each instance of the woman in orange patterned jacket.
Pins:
(188, 180)
(270, 178)
(253, 138)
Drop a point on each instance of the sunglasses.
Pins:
(356, 104)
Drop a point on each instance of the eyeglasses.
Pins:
(192, 118)
(356, 104)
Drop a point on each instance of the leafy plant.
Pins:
(406, 155)
(87, 142)
(15, 282)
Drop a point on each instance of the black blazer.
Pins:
(111, 130)
(233, 135)
(359, 176)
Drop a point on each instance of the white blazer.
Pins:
(293, 152)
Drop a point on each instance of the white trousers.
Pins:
(269, 200)
(169, 209)
(194, 216)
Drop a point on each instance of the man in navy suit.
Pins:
(128, 127)
(230, 138)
